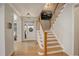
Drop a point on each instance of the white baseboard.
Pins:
(40, 53)
(69, 54)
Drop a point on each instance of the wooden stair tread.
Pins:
(50, 34)
(58, 54)
(48, 38)
(53, 44)
(51, 49)
(52, 37)
(54, 49)
(51, 40)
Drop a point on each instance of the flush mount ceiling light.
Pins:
(28, 14)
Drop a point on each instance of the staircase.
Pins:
(53, 46)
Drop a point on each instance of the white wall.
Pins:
(2, 38)
(46, 24)
(76, 30)
(64, 29)
(6, 34)
(19, 29)
(9, 46)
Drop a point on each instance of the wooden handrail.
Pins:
(45, 43)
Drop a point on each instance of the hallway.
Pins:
(39, 29)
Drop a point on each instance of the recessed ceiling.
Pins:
(33, 9)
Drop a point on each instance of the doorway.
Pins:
(28, 32)
(29, 29)
(15, 27)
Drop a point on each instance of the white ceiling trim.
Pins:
(24, 8)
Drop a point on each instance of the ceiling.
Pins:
(29, 9)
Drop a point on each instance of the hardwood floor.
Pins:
(28, 48)
(31, 48)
